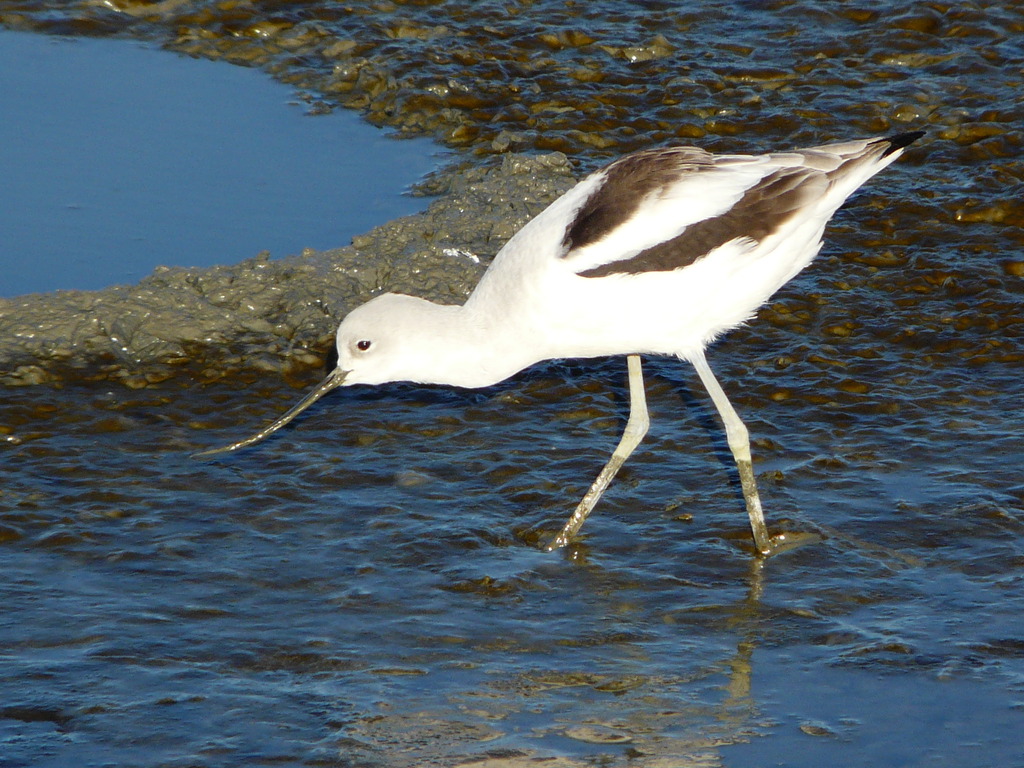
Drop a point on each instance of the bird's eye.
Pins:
(363, 345)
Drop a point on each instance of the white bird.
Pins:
(657, 253)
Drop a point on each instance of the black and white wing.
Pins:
(663, 209)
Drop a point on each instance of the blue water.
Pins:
(118, 157)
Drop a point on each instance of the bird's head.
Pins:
(397, 338)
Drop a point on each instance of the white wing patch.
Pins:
(664, 214)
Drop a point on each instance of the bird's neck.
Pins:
(478, 345)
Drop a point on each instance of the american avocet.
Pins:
(658, 253)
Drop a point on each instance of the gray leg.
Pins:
(636, 428)
(739, 444)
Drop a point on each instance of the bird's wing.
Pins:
(633, 200)
(662, 210)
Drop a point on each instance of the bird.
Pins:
(658, 253)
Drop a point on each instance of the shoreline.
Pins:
(276, 314)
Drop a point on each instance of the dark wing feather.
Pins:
(762, 210)
(627, 183)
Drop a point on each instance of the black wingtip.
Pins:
(901, 140)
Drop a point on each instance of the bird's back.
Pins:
(664, 249)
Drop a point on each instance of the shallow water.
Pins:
(118, 158)
(367, 587)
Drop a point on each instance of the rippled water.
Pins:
(366, 589)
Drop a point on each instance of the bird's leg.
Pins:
(636, 428)
(739, 443)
